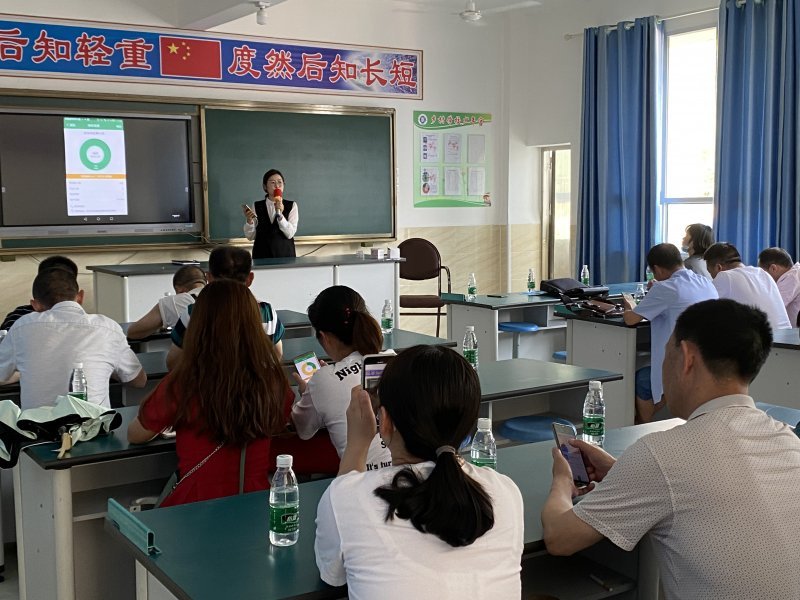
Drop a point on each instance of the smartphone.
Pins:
(564, 433)
(306, 364)
(371, 371)
(245, 208)
(630, 299)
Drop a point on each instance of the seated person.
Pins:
(347, 332)
(187, 283)
(45, 345)
(748, 285)
(225, 398)
(236, 264)
(717, 495)
(778, 263)
(696, 241)
(675, 290)
(431, 525)
(51, 262)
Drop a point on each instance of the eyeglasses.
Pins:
(275, 182)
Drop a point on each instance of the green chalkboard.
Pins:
(338, 167)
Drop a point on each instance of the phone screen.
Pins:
(306, 364)
(564, 433)
(371, 372)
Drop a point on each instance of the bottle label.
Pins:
(472, 290)
(387, 323)
(594, 425)
(78, 395)
(284, 519)
(531, 286)
(484, 462)
(585, 280)
(471, 356)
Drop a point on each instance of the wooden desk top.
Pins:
(208, 547)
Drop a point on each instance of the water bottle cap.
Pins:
(78, 365)
(485, 424)
(284, 461)
(595, 385)
(470, 327)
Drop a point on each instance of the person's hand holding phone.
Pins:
(598, 462)
(563, 477)
(360, 431)
(249, 214)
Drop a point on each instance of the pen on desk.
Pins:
(600, 582)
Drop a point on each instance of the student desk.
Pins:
(610, 344)
(295, 323)
(126, 292)
(62, 551)
(486, 312)
(220, 548)
(778, 382)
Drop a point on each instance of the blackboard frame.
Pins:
(389, 114)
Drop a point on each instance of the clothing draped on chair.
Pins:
(757, 192)
(620, 149)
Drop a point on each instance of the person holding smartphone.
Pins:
(272, 222)
(347, 332)
(431, 525)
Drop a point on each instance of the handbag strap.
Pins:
(197, 466)
(242, 456)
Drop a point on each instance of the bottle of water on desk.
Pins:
(284, 504)
(639, 294)
(470, 346)
(3, 334)
(484, 448)
(472, 287)
(585, 275)
(531, 281)
(387, 317)
(77, 383)
(594, 415)
(648, 274)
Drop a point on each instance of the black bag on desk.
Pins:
(572, 288)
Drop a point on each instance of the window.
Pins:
(689, 131)
(556, 206)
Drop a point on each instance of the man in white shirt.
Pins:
(44, 346)
(717, 495)
(748, 285)
(676, 289)
(187, 283)
(778, 263)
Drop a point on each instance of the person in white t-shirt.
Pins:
(187, 283)
(749, 285)
(347, 332)
(430, 526)
(778, 263)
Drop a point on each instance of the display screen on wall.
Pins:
(95, 174)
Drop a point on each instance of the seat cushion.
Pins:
(517, 326)
(533, 428)
(420, 301)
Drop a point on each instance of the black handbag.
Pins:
(572, 288)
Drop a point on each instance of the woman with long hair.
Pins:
(347, 332)
(225, 398)
(431, 525)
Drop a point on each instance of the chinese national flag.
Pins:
(190, 57)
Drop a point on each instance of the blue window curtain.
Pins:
(757, 193)
(620, 149)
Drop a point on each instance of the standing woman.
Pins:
(697, 240)
(225, 399)
(272, 222)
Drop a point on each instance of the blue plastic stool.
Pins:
(560, 356)
(790, 416)
(533, 428)
(517, 327)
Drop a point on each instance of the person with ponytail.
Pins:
(347, 332)
(431, 525)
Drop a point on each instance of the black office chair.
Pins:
(423, 262)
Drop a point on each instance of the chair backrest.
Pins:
(422, 260)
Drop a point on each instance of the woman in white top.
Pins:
(430, 526)
(697, 240)
(346, 331)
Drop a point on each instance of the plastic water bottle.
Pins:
(472, 287)
(284, 504)
(387, 317)
(470, 346)
(3, 334)
(594, 415)
(585, 275)
(484, 448)
(648, 274)
(639, 294)
(77, 383)
(531, 280)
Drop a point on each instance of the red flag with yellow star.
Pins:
(190, 57)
